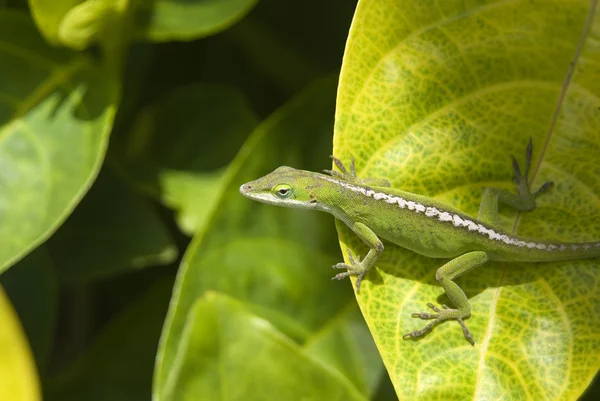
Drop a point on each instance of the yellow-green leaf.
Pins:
(56, 113)
(435, 97)
(78, 24)
(18, 376)
(85, 23)
(49, 14)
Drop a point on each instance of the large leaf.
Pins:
(227, 353)
(436, 99)
(18, 377)
(274, 260)
(56, 112)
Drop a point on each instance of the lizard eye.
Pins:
(282, 191)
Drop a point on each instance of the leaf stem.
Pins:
(566, 82)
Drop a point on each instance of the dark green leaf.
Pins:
(164, 20)
(180, 145)
(32, 289)
(112, 231)
(118, 365)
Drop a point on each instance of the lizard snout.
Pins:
(245, 188)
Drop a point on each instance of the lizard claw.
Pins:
(441, 316)
(545, 187)
(341, 166)
(349, 174)
(425, 315)
(341, 276)
(521, 180)
(355, 268)
(352, 271)
(353, 261)
(341, 266)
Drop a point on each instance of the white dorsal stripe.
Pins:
(456, 220)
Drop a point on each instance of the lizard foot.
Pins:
(349, 175)
(355, 268)
(440, 316)
(521, 180)
(346, 175)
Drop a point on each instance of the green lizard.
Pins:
(424, 225)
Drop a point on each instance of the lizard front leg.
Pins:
(350, 175)
(445, 275)
(356, 267)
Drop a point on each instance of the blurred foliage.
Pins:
(131, 268)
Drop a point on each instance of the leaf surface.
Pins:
(436, 99)
(56, 113)
(255, 365)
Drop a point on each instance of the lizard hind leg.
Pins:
(445, 275)
(523, 200)
(522, 179)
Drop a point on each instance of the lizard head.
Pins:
(285, 186)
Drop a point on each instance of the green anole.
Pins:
(373, 210)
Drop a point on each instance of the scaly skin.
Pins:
(429, 227)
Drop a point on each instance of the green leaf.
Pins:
(436, 99)
(118, 364)
(346, 345)
(227, 353)
(32, 289)
(18, 377)
(165, 20)
(274, 260)
(164, 154)
(112, 231)
(181, 191)
(55, 117)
